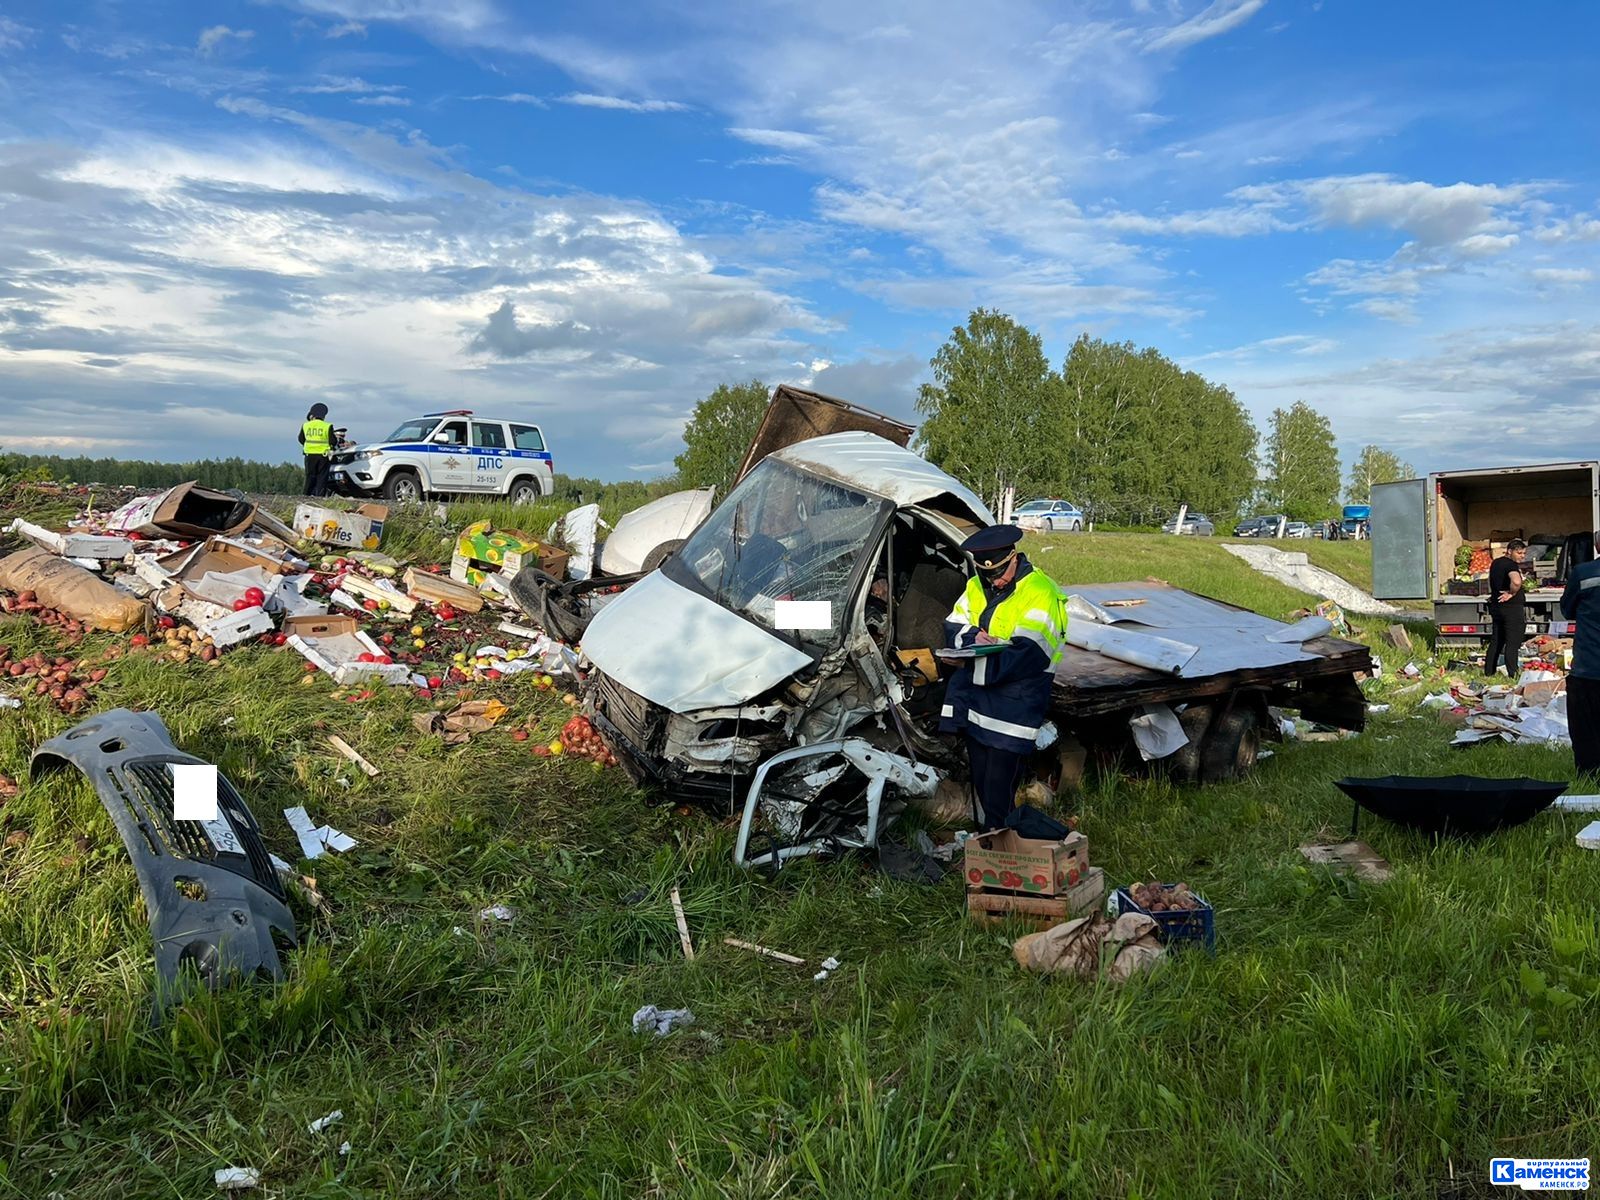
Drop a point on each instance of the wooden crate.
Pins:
(990, 906)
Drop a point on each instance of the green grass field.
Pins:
(1346, 1039)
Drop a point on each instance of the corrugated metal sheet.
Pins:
(1229, 639)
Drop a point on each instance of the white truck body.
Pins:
(1418, 525)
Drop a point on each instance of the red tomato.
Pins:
(241, 605)
(366, 656)
(255, 597)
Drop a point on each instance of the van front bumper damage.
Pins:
(214, 899)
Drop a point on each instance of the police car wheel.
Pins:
(524, 492)
(1049, 525)
(402, 487)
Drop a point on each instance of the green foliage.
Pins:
(1142, 436)
(570, 491)
(256, 477)
(1302, 464)
(989, 419)
(719, 433)
(1374, 465)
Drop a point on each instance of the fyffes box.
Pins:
(361, 529)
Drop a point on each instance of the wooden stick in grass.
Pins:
(683, 925)
(755, 949)
(344, 748)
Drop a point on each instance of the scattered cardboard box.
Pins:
(361, 528)
(379, 590)
(441, 589)
(235, 627)
(334, 644)
(990, 908)
(186, 511)
(481, 551)
(1005, 859)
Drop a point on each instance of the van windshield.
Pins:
(782, 534)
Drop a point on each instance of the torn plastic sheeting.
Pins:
(1589, 836)
(233, 1179)
(661, 1021)
(316, 840)
(578, 530)
(1141, 649)
(1304, 630)
(322, 1123)
(1157, 732)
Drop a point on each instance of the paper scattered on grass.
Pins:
(233, 1179)
(829, 966)
(1439, 700)
(1589, 836)
(344, 1148)
(322, 1123)
(315, 840)
(1377, 708)
(497, 912)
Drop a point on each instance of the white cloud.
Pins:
(1562, 276)
(588, 100)
(778, 139)
(147, 279)
(1215, 20)
(514, 98)
(335, 85)
(346, 29)
(383, 101)
(12, 34)
(212, 39)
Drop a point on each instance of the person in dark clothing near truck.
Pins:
(1580, 602)
(316, 439)
(1508, 610)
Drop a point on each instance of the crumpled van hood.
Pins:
(684, 651)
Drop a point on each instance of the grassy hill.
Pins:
(1345, 1040)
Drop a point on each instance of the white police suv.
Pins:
(449, 453)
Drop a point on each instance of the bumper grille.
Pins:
(627, 710)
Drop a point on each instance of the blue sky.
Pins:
(213, 215)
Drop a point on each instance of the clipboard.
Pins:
(982, 651)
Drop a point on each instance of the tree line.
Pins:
(1123, 432)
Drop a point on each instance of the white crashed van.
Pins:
(805, 609)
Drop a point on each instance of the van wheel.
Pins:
(525, 491)
(403, 487)
(1075, 527)
(660, 555)
(1185, 764)
(1230, 746)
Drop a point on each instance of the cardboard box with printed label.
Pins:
(334, 645)
(482, 550)
(1004, 859)
(359, 529)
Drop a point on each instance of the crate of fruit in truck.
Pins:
(1183, 917)
(1006, 860)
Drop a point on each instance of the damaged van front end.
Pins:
(804, 610)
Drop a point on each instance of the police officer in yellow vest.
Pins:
(1014, 617)
(316, 439)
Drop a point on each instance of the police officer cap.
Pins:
(992, 546)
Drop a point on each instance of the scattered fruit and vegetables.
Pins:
(1163, 897)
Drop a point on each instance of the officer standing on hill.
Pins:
(999, 700)
(1580, 602)
(316, 439)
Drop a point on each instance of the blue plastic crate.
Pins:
(1196, 927)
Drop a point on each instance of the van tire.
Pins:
(660, 555)
(402, 487)
(1231, 745)
(524, 491)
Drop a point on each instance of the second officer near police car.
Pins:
(1000, 698)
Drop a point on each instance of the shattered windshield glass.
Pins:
(781, 534)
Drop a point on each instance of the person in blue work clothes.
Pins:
(999, 701)
(1580, 602)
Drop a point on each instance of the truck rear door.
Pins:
(1400, 540)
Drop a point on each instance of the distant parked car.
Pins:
(1266, 526)
(1297, 529)
(1194, 524)
(1049, 516)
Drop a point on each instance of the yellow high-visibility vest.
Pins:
(318, 435)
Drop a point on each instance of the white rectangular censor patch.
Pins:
(802, 614)
(194, 792)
